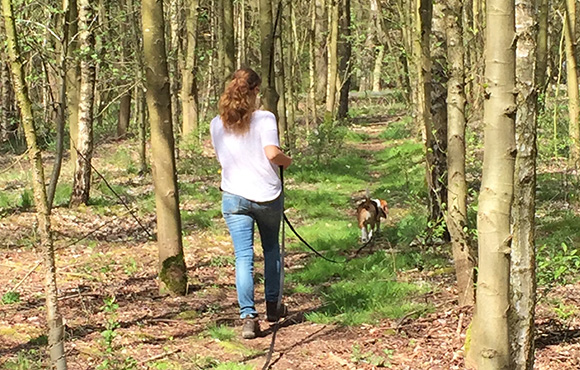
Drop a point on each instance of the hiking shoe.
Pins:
(272, 314)
(250, 328)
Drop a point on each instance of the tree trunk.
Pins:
(489, 335)
(378, 68)
(292, 67)
(542, 47)
(269, 94)
(173, 59)
(139, 90)
(84, 142)
(189, 97)
(437, 170)
(312, 69)
(172, 269)
(73, 82)
(456, 183)
(572, 78)
(332, 60)
(6, 93)
(321, 48)
(125, 101)
(61, 113)
(53, 317)
(229, 38)
(281, 85)
(241, 40)
(345, 50)
(523, 259)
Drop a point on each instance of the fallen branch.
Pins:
(159, 356)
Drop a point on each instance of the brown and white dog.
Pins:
(369, 214)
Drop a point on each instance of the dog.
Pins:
(369, 214)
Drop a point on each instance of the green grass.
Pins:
(26, 360)
(221, 332)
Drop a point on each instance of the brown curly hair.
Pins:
(238, 102)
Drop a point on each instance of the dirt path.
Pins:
(162, 332)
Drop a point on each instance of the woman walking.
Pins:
(247, 146)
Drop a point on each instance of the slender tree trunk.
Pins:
(378, 69)
(312, 68)
(53, 317)
(332, 60)
(241, 34)
(542, 46)
(456, 183)
(523, 259)
(139, 90)
(173, 59)
(345, 49)
(281, 85)
(321, 49)
(292, 69)
(6, 92)
(84, 143)
(228, 42)
(572, 78)
(189, 95)
(269, 93)
(172, 269)
(61, 113)
(489, 335)
(73, 82)
(125, 101)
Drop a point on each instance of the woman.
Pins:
(247, 146)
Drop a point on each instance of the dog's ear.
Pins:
(384, 207)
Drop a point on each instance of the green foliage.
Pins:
(233, 366)
(193, 161)
(26, 199)
(222, 261)
(11, 297)
(326, 141)
(25, 360)
(397, 130)
(112, 360)
(369, 357)
(557, 266)
(221, 332)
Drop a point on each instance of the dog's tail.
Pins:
(368, 194)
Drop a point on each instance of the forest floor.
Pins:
(115, 258)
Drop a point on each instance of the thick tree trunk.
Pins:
(172, 269)
(332, 60)
(321, 49)
(572, 78)
(269, 93)
(345, 51)
(189, 96)
(489, 335)
(456, 183)
(84, 142)
(523, 259)
(53, 317)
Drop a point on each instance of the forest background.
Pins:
(460, 114)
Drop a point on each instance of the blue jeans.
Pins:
(240, 215)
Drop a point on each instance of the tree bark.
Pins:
(312, 69)
(489, 335)
(84, 142)
(456, 183)
(6, 92)
(189, 95)
(172, 269)
(523, 259)
(572, 78)
(53, 317)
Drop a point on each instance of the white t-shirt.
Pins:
(246, 171)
